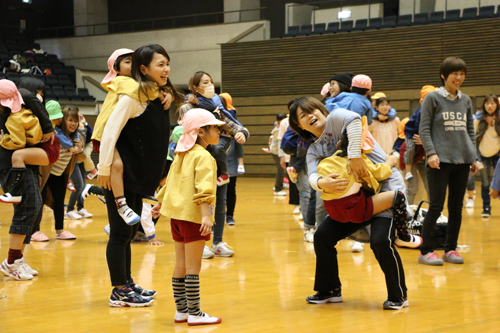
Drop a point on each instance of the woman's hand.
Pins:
(104, 181)
(206, 226)
(357, 167)
(332, 184)
(434, 161)
(240, 138)
(156, 210)
(47, 137)
(474, 168)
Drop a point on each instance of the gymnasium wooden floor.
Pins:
(262, 289)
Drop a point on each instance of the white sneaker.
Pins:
(357, 247)
(27, 268)
(73, 215)
(296, 211)
(409, 176)
(16, 270)
(128, 215)
(207, 254)
(83, 213)
(280, 193)
(181, 317)
(414, 242)
(241, 169)
(107, 229)
(285, 185)
(204, 319)
(470, 203)
(9, 198)
(301, 217)
(309, 235)
(222, 250)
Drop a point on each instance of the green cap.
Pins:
(54, 110)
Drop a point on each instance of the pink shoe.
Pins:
(39, 237)
(65, 235)
(71, 187)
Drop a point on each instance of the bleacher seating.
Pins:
(319, 28)
(333, 27)
(420, 19)
(305, 30)
(360, 25)
(469, 13)
(436, 17)
(404, 20)
(497, 14)
(375, 23)
(452, 15)
(84, 93)
(486, 12)
(389, 22)
(292, 31)
(346, 26)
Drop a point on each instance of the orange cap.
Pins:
(425, 90)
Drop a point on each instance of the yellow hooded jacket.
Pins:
(24, 128)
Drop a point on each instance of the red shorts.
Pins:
(97, 145)
(355, 208)
(52, 150)
(186, 232)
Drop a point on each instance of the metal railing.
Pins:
(146, 25)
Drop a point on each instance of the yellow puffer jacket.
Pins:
(24, 128)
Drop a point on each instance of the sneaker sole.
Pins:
(134, 221)
(180, 321)
(405, 305)
(408, 244)
(328, 300)
(205, 257)
(224, 255)
(122, 304)
(11, 201)
(7, 272)
(431, 263)
(219, 320)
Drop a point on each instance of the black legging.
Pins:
(118, 251)
(231, 196)
(57, 185)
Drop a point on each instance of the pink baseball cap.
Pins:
(111, 62)
(362, 81)
(325, 89)
(192, 121)
(10, 96)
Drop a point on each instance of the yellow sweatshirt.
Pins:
(24, 128)
(192, 179)
(120, 85)
(338, 165)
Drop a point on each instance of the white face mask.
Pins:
(39, 97)
(208, 92)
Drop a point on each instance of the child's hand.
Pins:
(240, 138)
(155, 241)
(193, 99)
(206, 225)
(166, 100)
(416, 139)
(155, 211)
(2, 134)
(333, 184)
(47, 137)
(357, 167)
(493, 193)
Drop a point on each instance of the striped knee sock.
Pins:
(193, 294)
(180, 294)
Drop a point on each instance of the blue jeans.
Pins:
(78, 178)
(486, 177)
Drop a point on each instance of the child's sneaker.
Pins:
(292, 174)
(27, 267)
(453, 257)
(203, 319)
(309, 235)
(222, 180)
(127, 297)
(431, 259)
(396, 305)
(93, 190)
(128, 215)
(16, 270)
(409, 176)
(92, 174)
(181, 317)
(207, 254)
(413, 242)
(107, 229)
(280, 194)
(73, 215)
(241, 169)
(469, 203)
(222, 250)
(71, 187)
(83, 213)
(9, 198)
(296, 210)
(357, 247)
(230, 220)
(486, 213)
(322, 298)
(140, 291)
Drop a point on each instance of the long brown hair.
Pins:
(69, 111)
(143, 56)
(483, 124)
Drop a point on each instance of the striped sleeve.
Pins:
(354, 134)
